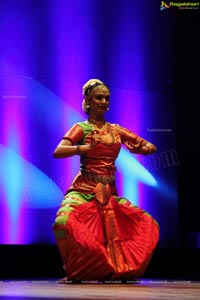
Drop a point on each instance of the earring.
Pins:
(87, 106)
(108, 108)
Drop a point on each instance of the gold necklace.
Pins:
(98, 124)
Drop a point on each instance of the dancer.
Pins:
(101, 235)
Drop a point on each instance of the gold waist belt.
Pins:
(98, 178)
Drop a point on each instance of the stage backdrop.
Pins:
(49, 49)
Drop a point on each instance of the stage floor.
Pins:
(147, 289)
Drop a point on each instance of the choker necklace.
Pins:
(99, 124)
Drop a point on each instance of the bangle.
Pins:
(78, 150)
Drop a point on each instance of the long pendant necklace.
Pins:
(108, 129)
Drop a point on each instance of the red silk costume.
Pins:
(104, 236)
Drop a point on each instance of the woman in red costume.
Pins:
(101, 236)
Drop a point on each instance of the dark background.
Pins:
(186, 99)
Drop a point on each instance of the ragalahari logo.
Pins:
(164, 5)
(180, 5)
